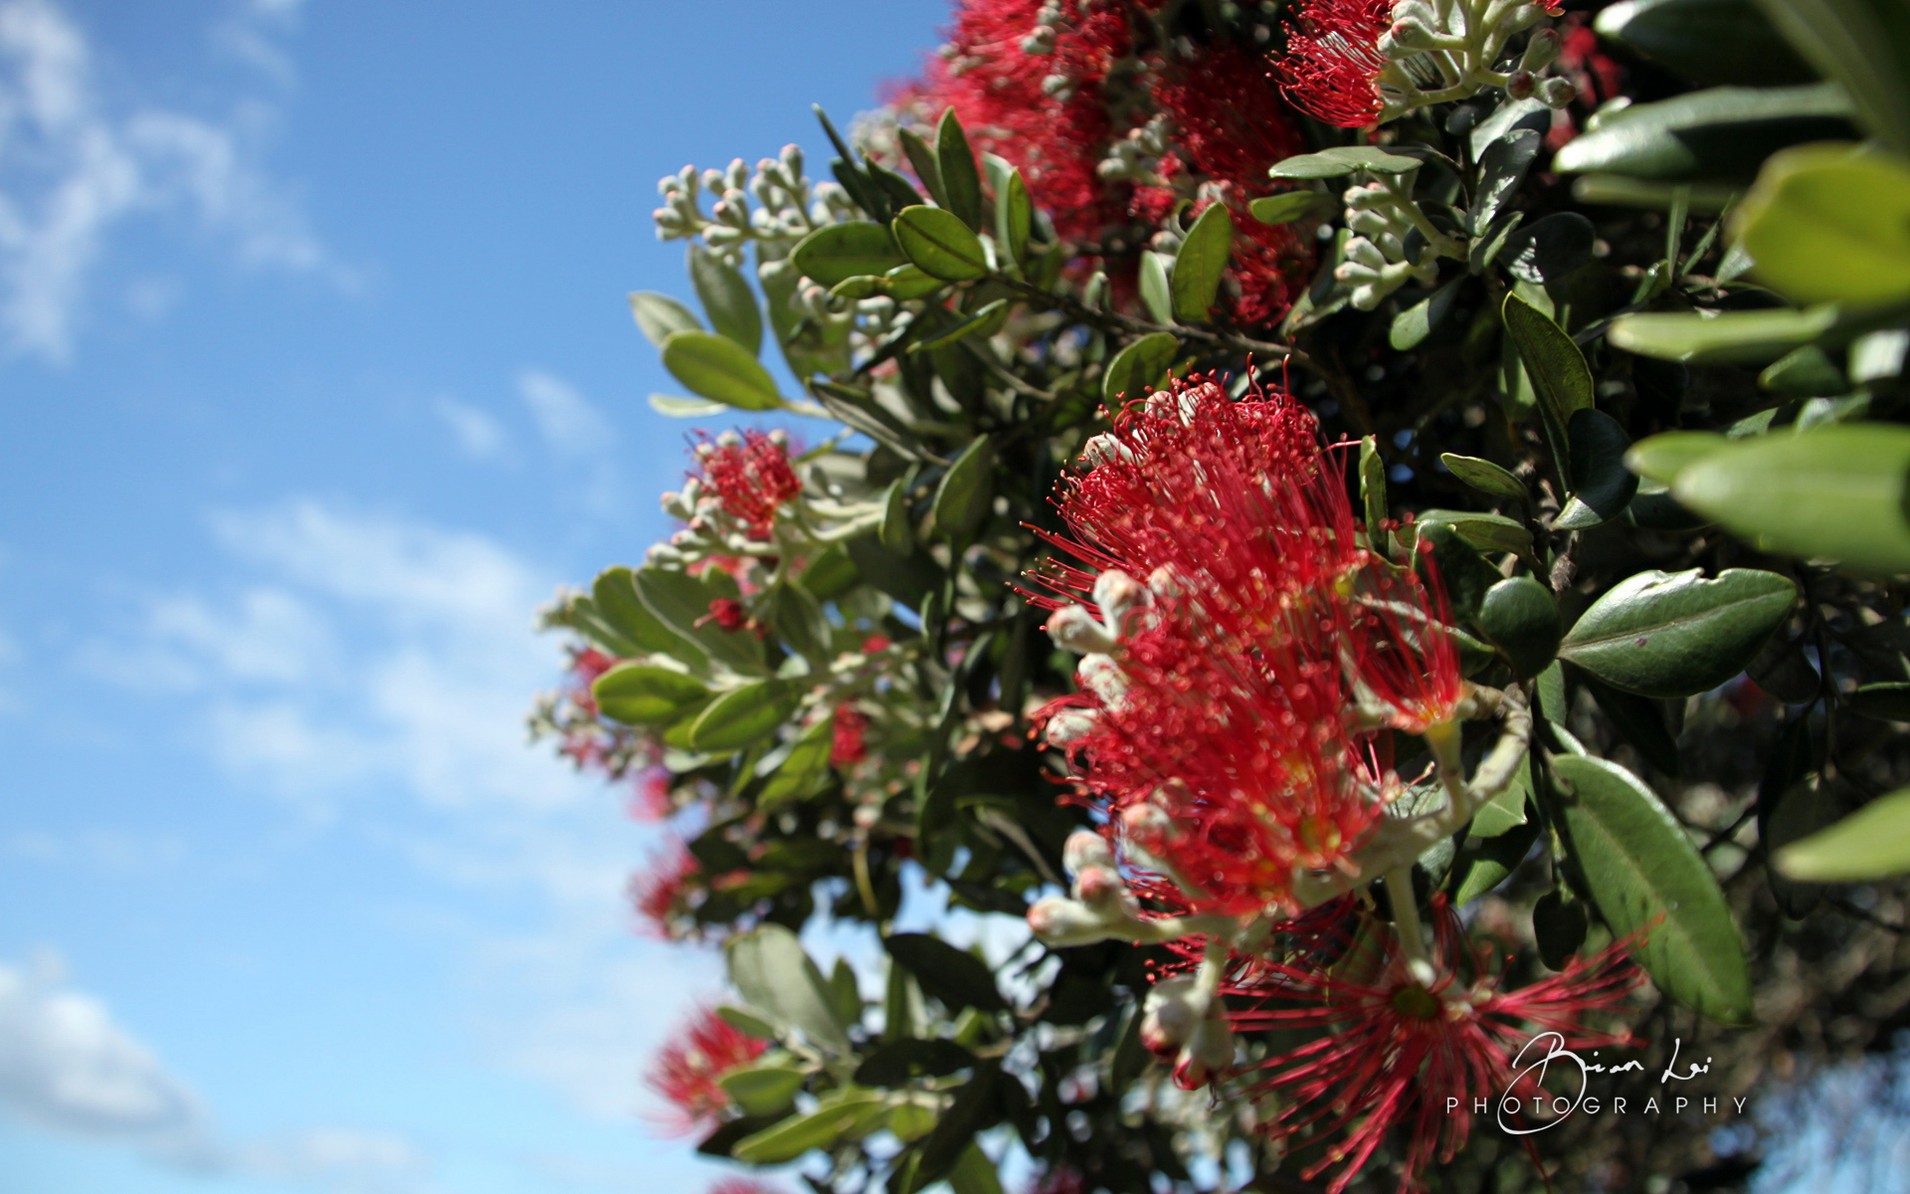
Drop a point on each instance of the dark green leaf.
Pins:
(1557, 368)
(899, 1062)
(1501, 169)
(958, 978)
(721, 370)
(1198, 266)
(1802, 809)
(967, 491)
(908, 579)
(1559, 928)
(1862, 44)
(1416, 322)
(1604, 486)
(848, 1116)
(1294, 205)
(1522, 620)
(938, 242)
(961, 182)
(1487, 532)
(641, 695)
(898, 530)
(1014, 215)
(727, 299)
(1641, 721)
(745, 716)
(1484, 476)
(1887, 701)
(1708, 41)
(1646, 878)
(1138, 366)
(1725, 132)
(1549, 249)
(837, 252)
(976, 1106)
(1675, 634)
(981, 325)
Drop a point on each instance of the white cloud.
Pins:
(74, 165)
(66, 1065)
(567, 421)
(111, 852)
(477, 434)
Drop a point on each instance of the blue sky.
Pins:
(316, 378)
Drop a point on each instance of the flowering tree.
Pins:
(1373, 530)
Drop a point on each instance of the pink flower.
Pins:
(687, 1071)
(661, 891)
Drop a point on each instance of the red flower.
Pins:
(728, 613)
(1405, 658)
(1333, 62)
(742, 1185)
(750, 476)
(687, 1070)
(660, 892)
(1399, 1039)
(1214, 729)
(846, 745)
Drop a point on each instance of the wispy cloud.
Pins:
(68, 1066)
(566, 420)
(478, 435)
(76, 163)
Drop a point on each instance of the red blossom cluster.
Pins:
(1054, 86)
(1237, 617)
(750, 476)
(687, 1071)
(1333, 61)
(1397, 1039)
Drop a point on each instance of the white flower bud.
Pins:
(1103, 677)
(1118, 595)
(1556, 92)
(1073, 628)
(1060, 921)
(1070, 726)
(1085, 848)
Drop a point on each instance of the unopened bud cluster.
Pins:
(1391, 242)
(1444, 50)
(787, 206)
(1099, 906)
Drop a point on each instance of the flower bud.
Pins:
(1556, 92)
(1073, 628)
(1103, 677)
(1070, 726)
(1118, 594)
(1059, 921)
(1541, 50)
(1521, 84)
(1086, 848)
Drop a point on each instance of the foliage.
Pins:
(1358, 524)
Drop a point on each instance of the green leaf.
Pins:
(1722, 338)
(1559, 928)
(1484, 476)
(659, 315)
(1641, 722)
(1343, 160)
(1676, 634)
(1373, 494)
(721, 370)
(1557, 368)
(1143, 363)
(639, 694)
(956, 977)
(847, 1117)
(967, 491)
(727, 299)
(974, 1173)
(1294, 205)
(1501, 169)
(1806, 372)
(938, 242)
(763, 1089)
(1802, 808)
(798, 620)
(897, 531)
(1865, 46)
(1522, 620)
(1724, 132)
(1604, 485)
(1549, 248)
(837, 252)
(976, 1106)
(768, 967)
(1645, 877)
(1872, 843)
(679, 602)
(901, 1061)
(676, 406)
(1830, 224)
(1198, 266)
(1662, 457)
(1708, 41)
(614, 595)
(961, 182)
(1411, 326)
(804, 772)
(744, 716)
(1487, 532)
(1156, 287)
(1014, 215)
(982, 324)
(1833, 493)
